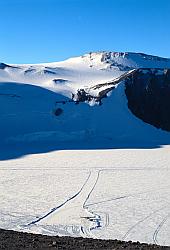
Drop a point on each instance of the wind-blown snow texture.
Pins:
(108, 174)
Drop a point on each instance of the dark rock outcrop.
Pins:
(4, 66)
(148, 94)
(10, 240)
(60, 80)
(58, 111)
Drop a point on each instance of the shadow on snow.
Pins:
(28, 110)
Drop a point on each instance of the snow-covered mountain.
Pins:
(84, 147)
(61, 101)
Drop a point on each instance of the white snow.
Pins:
(93, 171)
(131, 195)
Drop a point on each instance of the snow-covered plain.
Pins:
(93, 171)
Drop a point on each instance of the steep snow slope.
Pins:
(108, 175)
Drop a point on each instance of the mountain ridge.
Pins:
(102, 53)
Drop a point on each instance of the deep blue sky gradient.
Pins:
(33, 31)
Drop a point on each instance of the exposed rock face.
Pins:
(83, 96)
(148, 94)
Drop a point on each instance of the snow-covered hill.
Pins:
(76, 111)
(31, 96)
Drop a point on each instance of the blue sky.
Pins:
(33, 31)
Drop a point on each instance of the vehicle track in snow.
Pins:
(158, 229)
(112, 199)
(97, 219)
(75, 206)
(141, 221)
(131, 195)
(59, 206)
(88, 196)
(90, 220)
